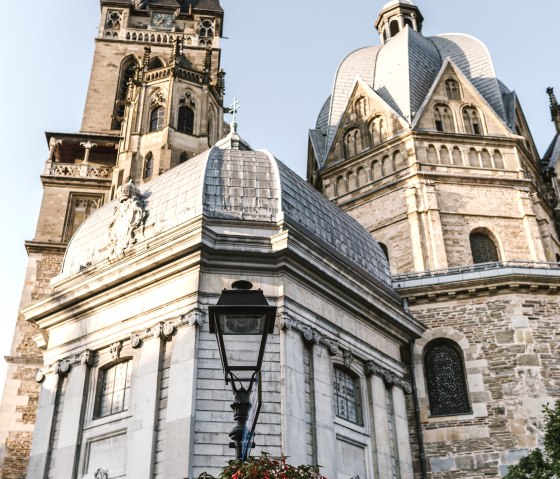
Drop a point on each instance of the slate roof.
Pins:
(242, 185)
(403, 70)
(210, 5)
(550, 159)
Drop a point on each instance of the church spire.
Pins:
(395, 16)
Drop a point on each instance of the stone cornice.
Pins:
(39, 247)
(313, 337)
(455, 284)
(163, 330)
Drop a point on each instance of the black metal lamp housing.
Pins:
(242, 319)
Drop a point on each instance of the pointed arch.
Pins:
(156, 62)
(185, 120)
(127, 70)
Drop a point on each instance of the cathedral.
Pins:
(414, 274)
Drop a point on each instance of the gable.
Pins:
(452, 101)
(370, 121)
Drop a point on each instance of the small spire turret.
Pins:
(395, 16)
(554, 108)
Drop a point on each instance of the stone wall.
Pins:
(510, 343)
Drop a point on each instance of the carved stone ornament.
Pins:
(167, 329)
(129, 215)
(101, 474)
(390, 378)
(310, 335)
(158, 99)
(115, 350)
(64, 366)
(348, 358)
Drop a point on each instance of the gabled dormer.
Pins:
(395, 16)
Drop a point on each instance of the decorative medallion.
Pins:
(129, 215)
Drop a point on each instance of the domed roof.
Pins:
(237, 185)
(393, 3)
(403, 70)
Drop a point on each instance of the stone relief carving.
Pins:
(167, 329)
(101, 474)
(348, 358)
(129, 215)
(310, 336)
(115, 350)
(64, 366)
(390, 378)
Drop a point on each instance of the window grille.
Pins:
(347, 396)
(483, 249)
(114, 391)
(445, 379)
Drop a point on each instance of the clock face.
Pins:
(162, 20)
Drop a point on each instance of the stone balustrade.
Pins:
(54, 168)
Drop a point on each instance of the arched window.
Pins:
(498, 160)
(483, 249)
(443, 118)
(347, 395)
(148, 166)
(157, 117)
(445, 379)
(155, 62)
(362, 176)
(408, 21)
(452, 89)
(394, 27)
(398, 160)
(353, 143)
(340, 186)
(206, 29)
(376, 170)
(361, 107)
(185, 120)
(385, 250)
(471, 118)
(377, 131)
(128, 68)
(113, 389)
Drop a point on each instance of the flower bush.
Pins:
(265, 467)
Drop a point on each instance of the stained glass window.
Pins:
(114, 391)
(445, 379)
(347, 396)
(483, 249)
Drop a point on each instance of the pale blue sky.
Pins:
(280, 58)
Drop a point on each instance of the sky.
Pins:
(280, 59)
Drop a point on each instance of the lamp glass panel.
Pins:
(242, 335)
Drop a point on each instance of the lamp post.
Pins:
(242, 320)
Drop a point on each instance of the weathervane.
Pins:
(233, 109)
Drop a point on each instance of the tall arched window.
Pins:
(445, 379)
(385, 250)
(361, 107)
(394, 27)
(432, 154)
(148, 166)
(348, 404)
(113, 390)
(157, 118)
(473, 158)
(452, 89)
(471, 118)
(353, 143)
(377, 131)
(498, 160)
(127, 72)
(185, 120)
(486, 159)
(483, 249)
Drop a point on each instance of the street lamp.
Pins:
(242, 321)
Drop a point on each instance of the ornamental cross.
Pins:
(234, 108)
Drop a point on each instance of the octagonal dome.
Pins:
(237, 185)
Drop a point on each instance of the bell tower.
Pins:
(395, 16)
(154, 100)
